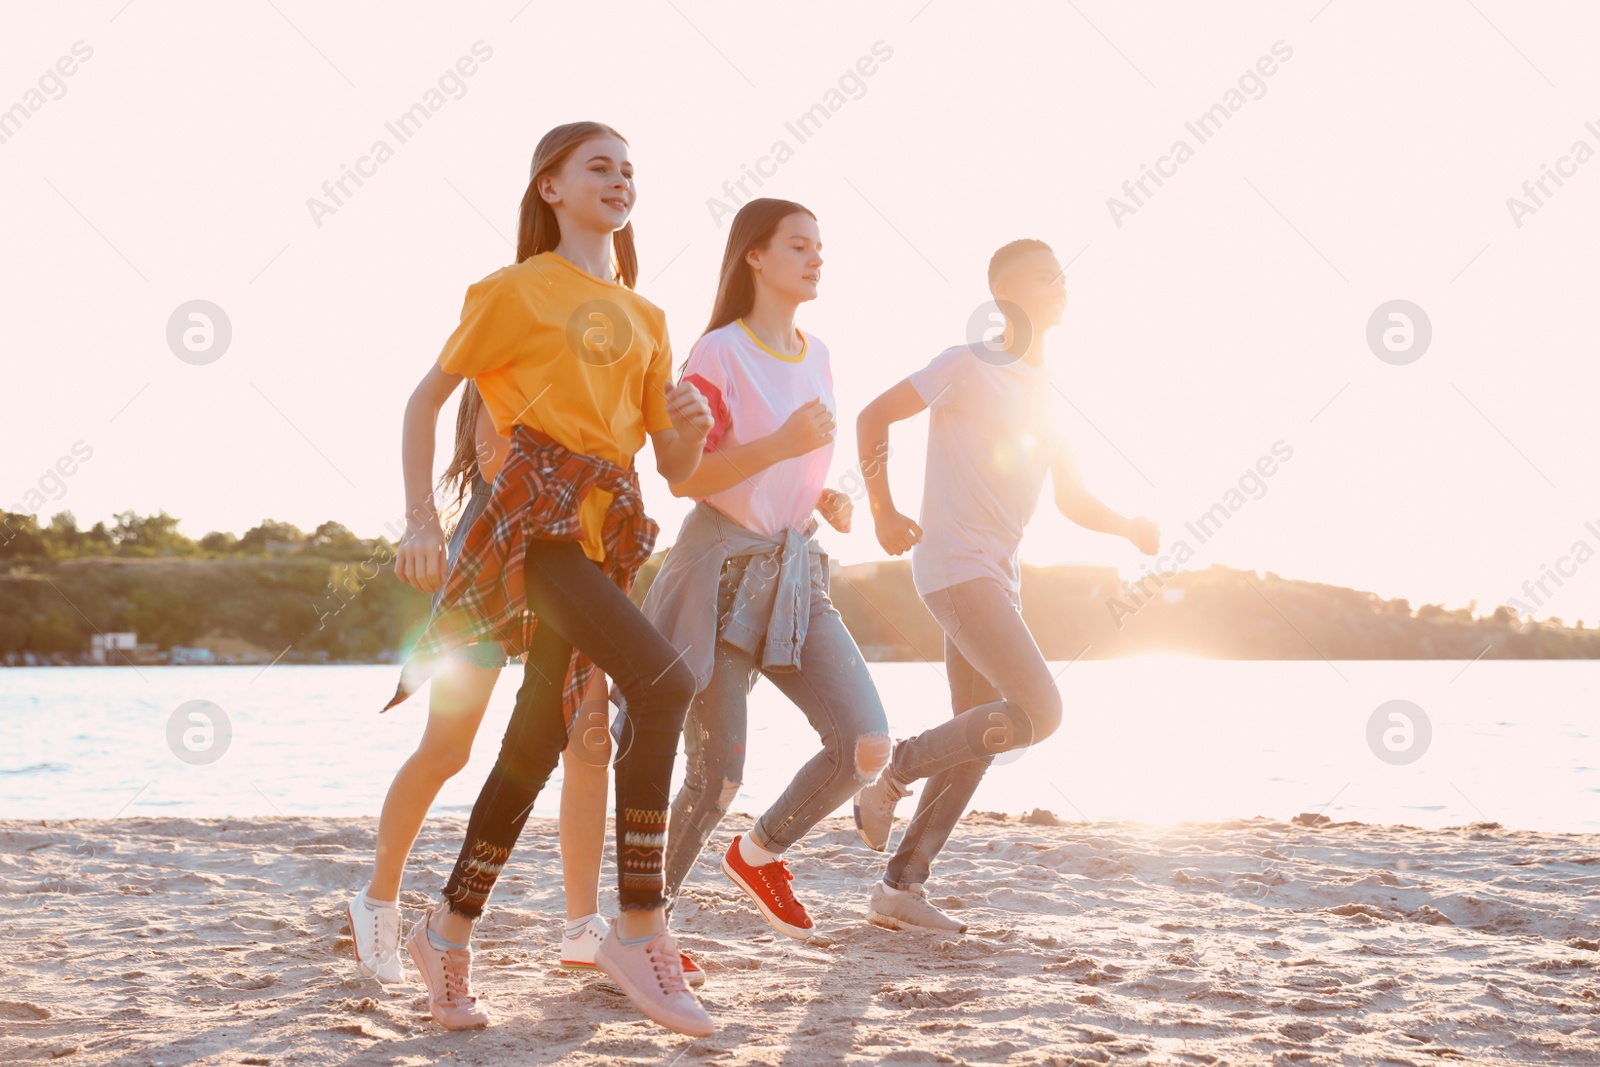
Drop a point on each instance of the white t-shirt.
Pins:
(752, 390)
(994, 428)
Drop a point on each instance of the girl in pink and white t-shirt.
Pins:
(745, 587)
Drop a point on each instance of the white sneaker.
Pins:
(874, 809)
(377, 939)
(578, 946)
(910, 910)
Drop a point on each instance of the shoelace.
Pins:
(669, 968)
(782, 895)
(457, 978)
(379, 949)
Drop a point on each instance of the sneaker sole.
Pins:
(355, 945)
(796, 932)
(889, 922)
(861, 831)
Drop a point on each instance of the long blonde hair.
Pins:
(537, 230)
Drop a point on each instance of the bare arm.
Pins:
(1082, 507)
(679, 447)
(896, 532)
(808, 428)
(420, 561)
(727, 467)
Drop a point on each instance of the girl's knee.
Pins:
(727, 790)
(528, 766)
(589, 738)
(442, 761)
(588, 747)
(1046, 713)
(711, 792)
(675, 686)
(872, 756)
(671, 691)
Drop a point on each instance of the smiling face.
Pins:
(790, 267)
(593, 188)
(1035, 283)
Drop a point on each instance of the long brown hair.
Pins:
(537, 230)
(753, 227)
(463, 468)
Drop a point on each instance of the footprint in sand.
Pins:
(22, 1011)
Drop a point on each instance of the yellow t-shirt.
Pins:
(584, 360)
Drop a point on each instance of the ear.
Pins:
(752, 258)
(547, 189)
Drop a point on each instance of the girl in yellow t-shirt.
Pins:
(575, 368)
(457, 701)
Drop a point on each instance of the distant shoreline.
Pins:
(286, 662)
(309, 609)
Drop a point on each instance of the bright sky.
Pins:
(1228, 312)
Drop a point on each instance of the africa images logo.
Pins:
(599, 332)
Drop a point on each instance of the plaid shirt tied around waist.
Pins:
(537, 495)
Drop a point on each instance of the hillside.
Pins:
(312, 608)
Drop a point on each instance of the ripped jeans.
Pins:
(836, 694)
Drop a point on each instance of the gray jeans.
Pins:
(1003, 698)
(838, 697)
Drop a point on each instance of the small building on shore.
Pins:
(108, 648)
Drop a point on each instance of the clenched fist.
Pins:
(687, 407)
(837, 508)
(809, 428)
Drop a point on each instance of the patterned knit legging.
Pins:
(577, 605)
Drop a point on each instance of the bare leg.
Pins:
(642, 922)
(585, 786)
(456, 702)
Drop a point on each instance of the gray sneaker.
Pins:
(909, 911)
(874, 809)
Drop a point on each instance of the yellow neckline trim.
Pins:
(804, 344)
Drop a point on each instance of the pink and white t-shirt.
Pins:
(752, 390)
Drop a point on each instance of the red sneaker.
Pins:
(768, 886)
(692, 972)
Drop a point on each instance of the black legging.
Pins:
(577, 605)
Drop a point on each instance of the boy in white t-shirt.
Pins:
(995, 430)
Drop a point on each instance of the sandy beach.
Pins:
(175, 941)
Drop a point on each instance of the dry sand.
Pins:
(146, 941)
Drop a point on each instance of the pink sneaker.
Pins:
(579, 946)
(448, 977)
(652, 976)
